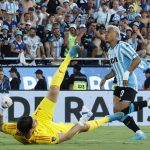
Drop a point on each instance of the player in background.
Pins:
(40, 129)
(124, 60)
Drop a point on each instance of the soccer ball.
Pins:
(6, 102)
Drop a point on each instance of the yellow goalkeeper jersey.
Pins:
(46, 131)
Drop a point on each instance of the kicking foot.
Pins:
(74, 50)
(138, 136)
(116, 116)
(86, 115)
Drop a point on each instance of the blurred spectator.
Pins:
(4, 81)
(27, 4)
(146, 85)
(129, 33)
(72, 4)
(104, 15)
(27, 28)
(43, 10)
(60, 10)
(65, 84)
(82, 4)
(55, 44)
(144, 32)
(66, 6)
(87, 40)
(39, 15)
(12, 25)
(3, 4)
(89, 7)
(123, 25)
(99, 41)
(78, 80)
(146, 5)
(138, 19)
(18, 46)
(45, 34)
(115, 5)
(76, 16)
(41, 84)
(33, 16)
(66, 23)
(15, 81)
(131, 13)
(12, 6)
(137, 41)
(52, 5)
(5, 42)
(51, 20)
(144, 18)
(70, 38)
(25, 18)
(34, 44)
(118, 15)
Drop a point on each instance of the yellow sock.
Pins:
(60, 73)
(94, 124)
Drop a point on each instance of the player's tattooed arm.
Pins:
(132, 67)
(134, 64)
(110, 75)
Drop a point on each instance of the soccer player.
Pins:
(40, 129)
(124, 60)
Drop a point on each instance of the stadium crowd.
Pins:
(49, 28)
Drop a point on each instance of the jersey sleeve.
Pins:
(128, 51)
(9, 128)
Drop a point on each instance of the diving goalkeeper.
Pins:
(40, 129)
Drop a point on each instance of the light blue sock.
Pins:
(131, 108)
(123, 118)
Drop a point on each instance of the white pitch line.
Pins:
(100, 141)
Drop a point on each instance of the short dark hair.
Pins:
(26, 14)
(33, 28)
(24, 124)
(77, 67)
(30, 9)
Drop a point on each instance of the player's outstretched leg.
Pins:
(60, 73)
(86, 114)
(130, 123)
(136, 106)
(84, 125)
(94, 124)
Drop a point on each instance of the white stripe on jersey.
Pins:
(135, 80)
(121, 57)
(120, 66)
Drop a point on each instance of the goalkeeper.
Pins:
(40, 129)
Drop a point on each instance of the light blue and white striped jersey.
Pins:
(121, 57)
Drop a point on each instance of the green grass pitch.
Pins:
(104, 138)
